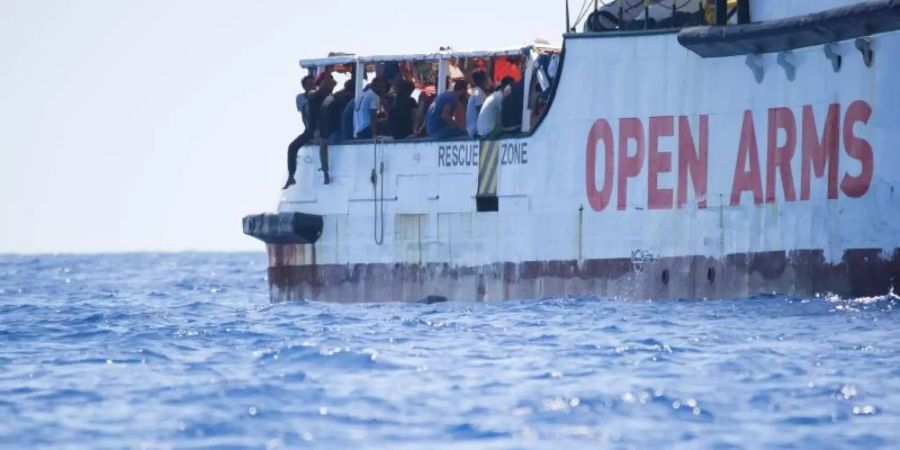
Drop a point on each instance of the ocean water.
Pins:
(185, 351)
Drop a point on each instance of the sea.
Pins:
(186, 351)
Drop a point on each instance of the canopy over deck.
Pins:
(441, 55)
(328, 61)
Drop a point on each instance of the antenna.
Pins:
(568, 23)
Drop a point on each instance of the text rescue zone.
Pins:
(817, 146)
(466, 155)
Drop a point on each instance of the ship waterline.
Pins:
(803, 273)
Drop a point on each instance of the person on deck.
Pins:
(426, 98)
(513, 104)
(489, 125)
(401, 118)
(476, 101)
(332, 114)
(309, 84)
(347, 117)
(324, 86)
(442, 120)
(330, 123)
(365, 117)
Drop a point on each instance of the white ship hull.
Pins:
(656, 173)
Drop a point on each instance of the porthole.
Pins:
(665, 277)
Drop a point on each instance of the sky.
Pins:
(156, 125)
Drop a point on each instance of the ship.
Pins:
(756, 152)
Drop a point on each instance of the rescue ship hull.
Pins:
(799, 273)
(662, 170)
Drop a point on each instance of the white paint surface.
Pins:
(612, 78)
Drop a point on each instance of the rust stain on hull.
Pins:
(802, 273)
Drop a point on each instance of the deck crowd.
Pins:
(475, 105)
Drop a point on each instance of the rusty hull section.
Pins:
(294, 275)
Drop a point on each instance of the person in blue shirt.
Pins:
(365, 118)
(308, 83)
(446, 119)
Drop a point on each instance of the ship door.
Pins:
(488, 162)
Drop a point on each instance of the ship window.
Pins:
(635, 15)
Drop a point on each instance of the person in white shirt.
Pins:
(476, 101)
(365, 117)
(488, 124)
